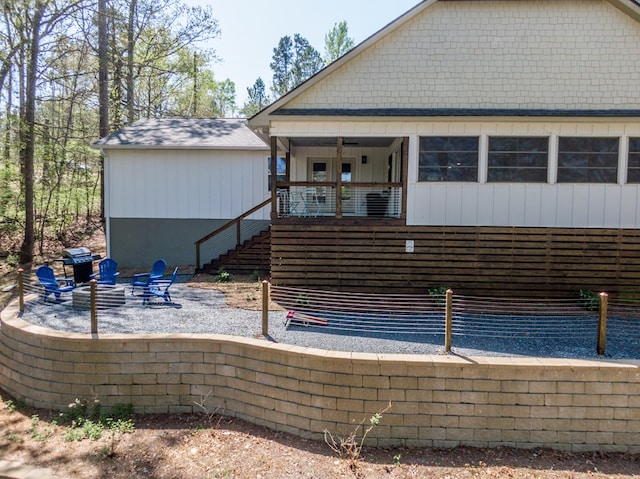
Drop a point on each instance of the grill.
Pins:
(81, 259)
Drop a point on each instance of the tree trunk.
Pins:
(27, 135)
(103, 69)
(130, 63)
(103, 86)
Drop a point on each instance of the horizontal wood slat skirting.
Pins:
(492, 261)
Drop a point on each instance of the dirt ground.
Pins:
(213, 446)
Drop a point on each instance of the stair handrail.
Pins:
(227, 225)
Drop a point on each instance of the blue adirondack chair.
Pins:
(142, 280)
(107, 272)
(160, 288)
(53, 285)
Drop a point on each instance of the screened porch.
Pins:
(340, 178)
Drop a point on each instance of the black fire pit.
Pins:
(82, 261)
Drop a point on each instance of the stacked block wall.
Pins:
(436, 401)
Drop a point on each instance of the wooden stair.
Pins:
(254, 255)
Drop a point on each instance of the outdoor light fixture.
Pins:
(364, 159)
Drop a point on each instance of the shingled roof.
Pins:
(184, 133)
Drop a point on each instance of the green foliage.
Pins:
(337, 42)
(223, 276)
(590, 299)
(396, 459)
(350, 447)
(257, 99)
(15, 405)
(439, 294)
(86, 421)
(293, 62)
(302, 300)
(256, 275)
(36, 432)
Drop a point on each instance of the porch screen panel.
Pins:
(633, 171)
(587, 160)
(518, 160)
(448, 158)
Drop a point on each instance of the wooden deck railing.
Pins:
(234, 222)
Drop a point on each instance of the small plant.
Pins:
(36, 433)
(350, 447)
(256, 275)
(440, 295)
(13, 260)
(14, 405)
(223, 276)
(88, 423)
(302, 300)
(590, 299)
(396, 459)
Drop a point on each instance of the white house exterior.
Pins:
(170, 182)
(520, 114)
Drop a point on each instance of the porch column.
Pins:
(405, 176)
(274, 177)
(339, 179)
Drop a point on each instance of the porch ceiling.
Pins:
(359, 142)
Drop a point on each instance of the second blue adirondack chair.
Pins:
(107, 272)
(159, 288)
(53, 285)
(142, 280)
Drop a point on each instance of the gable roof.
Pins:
(297, 102)
(184, 133)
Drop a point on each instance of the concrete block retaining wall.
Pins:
(437, 401)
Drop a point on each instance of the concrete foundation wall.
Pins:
(437, 401)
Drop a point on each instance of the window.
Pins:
(587, 160)
(448, 158)
(518, 160)
(281, 166)
(346, 178)
(633, 172)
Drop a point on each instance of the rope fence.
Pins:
(93, 297)
(436, 316)
(450, 318)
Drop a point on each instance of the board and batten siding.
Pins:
(185, 184)
(158, 203)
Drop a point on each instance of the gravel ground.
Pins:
(196, 310)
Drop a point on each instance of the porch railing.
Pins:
(236, 222)
(374, 200)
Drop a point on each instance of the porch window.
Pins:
(281, 166)
(448, 158)
(587, 160)
(518, 160)
(633, 172)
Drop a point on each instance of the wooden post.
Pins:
(405, 176)
(265, 308)
(339, 179)
(448, 321)
(274, 177)
(602, 324)
(94, 306)
(21, 289)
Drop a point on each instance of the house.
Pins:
(488, 146)
(171, 182)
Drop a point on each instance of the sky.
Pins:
(251, 29)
